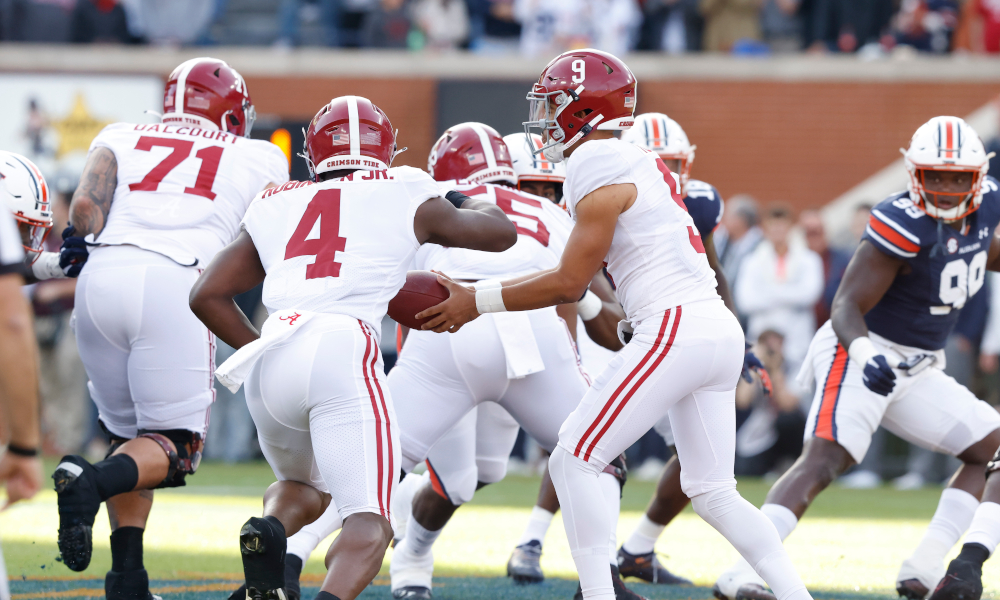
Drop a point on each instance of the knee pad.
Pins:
(619, 469)
(114, 441)
(714, 504)
(182, 462)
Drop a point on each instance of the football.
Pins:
(420, 291)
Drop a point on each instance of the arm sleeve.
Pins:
(11, 251)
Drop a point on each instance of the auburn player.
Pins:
(26, 194)
(154, 205)
(686, 347)
(880, 358)
(527, 363)
(331, 255)
(535, 174)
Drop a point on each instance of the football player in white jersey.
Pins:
(331, 254)
(686, 348)
(26, 194)
(154, 205)
(527, 363)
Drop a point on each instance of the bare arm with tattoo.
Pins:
(91, 203)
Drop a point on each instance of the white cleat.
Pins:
(402, 503)
(740, 575)
(408, 571)
(917, 579)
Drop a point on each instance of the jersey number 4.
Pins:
(180, 149)
(325, 208)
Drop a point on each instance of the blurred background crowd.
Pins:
(869, 28)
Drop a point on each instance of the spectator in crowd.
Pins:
(834, 261)
(549, 27)
(49, 21)
(728, 22)
(769, 427)
(101, 21)
(493, 27)
(444, 24)
(927, 25)
(846, 25)
(386, 25)
(737, 235)
(169, 23)
(781, 25)
(290, 16)
(849, 237)
(981, 23)
(778, 287)
(672, 26)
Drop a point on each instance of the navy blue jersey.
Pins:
(704, 204)
(921, 307)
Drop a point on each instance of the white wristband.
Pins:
(589, 306)
(862, 350)
(487, 284)
(47, 267)
(490, 301)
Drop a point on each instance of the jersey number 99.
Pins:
(961, 281)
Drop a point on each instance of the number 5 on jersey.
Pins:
(324, 208)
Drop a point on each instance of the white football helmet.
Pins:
(24, 192)
(663, 135)
(530, 166)
(946, 144)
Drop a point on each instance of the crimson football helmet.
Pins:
(349, 133)
(207, 92)
(579, 91)
(474, 152)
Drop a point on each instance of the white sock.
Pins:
(952, 517)
(985, 527)
(782, 517)
(305, 541)
(754, 536)
(538, 526)
(419, 539)
(644, 536)
(613, 499)
(585, 515)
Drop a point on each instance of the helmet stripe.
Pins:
(182, 84)
(484, 141)
(537, 142)
(34, 180)
(948, 140)
(656, 134)
(666, 133)
(354, 125)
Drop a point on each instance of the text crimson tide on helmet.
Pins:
(349, 133)
(579, 91)
(471, 151)
(206, 92)
(946, 144)
(24, 192)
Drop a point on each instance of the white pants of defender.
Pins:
(441, 377)
(324, 414)
(149, 359)
(685, 363)
(930, 409)
(475, 450)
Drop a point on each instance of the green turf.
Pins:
(850, 544)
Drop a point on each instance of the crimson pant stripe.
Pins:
(624, 384)
(387, 425)
(378, 418)
(638, 384)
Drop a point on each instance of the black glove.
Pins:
(752, 364)
(878, 375)
(73, 253)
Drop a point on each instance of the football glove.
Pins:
(752, 364)
(878, 375)
(73, 253)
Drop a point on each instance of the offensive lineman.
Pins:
(155, 203)
(331, 256)
(686, 348)
(880, 358)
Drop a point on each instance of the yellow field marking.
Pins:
(99, 593)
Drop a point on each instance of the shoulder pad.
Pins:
(897, 226)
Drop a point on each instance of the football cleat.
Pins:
(523, 566)
(747, 591)
(128, 585)
(262, 544)
(621, 592)
(918, 576)
(410, 573)
(412, 592)
(293, 570)
(912, 589)
(78, 502)
(741, 582)
(962, 581)
(647, 567)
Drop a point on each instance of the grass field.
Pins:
(849, 545)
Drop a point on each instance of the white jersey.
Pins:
(11, 251)
(182, 191)
(542, 231)
(657, 259)
(342, 246)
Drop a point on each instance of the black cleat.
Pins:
(523, 566)
(621, 592)
(128, 585)
(749, 591)
(78, 502)
(262, 544)
(962, 581)
(293, 570)
(912, 589)
(647, 568)
(412, 592)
